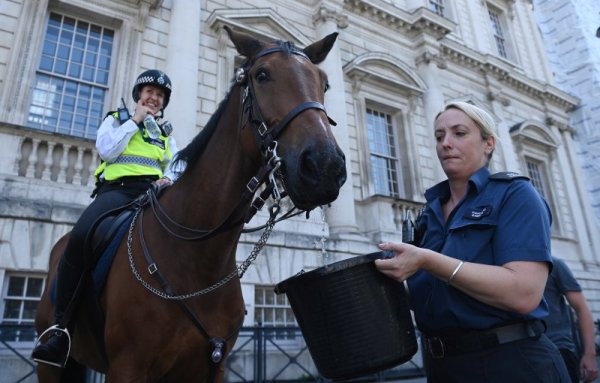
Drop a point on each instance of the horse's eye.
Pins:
(262, 76)
(327, 86)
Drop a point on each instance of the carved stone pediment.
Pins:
(385, 69)
(259, 22)
(422, 21)
(534, 133)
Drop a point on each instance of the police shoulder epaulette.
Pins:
(507, 176)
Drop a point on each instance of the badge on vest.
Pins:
(478, 212)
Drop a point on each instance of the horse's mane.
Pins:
(192, 152)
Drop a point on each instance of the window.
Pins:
(498, 32)
(535, 170)
(273, 310)
(437, 6)
(72, 77)
(20, 297)
(382, 150)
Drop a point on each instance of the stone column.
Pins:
(183, 51)
(504, 145)
(341, 216)
(428, 67)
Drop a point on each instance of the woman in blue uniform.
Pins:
(477, 278)
(131, 161)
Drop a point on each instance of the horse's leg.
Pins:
(125, 372)
(48, 374)
(73, 372)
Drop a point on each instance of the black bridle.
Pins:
(266, 136)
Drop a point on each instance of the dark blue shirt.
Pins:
(560, 282)
(498, 221)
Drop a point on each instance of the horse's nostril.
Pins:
(342, 178)
(309, 170)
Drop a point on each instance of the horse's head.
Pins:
(283, 106)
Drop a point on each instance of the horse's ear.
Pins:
(245, 44)
(318, 51)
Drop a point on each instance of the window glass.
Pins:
(437, 6)
(273, 310)
(534, 170)
(20, 298)
(74, 68)
(497, 30)
(382, 150)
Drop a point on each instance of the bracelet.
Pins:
(454, 272)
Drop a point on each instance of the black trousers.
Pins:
(524, 361)
(111, 195)
(572, 363)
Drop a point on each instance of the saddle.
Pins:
(106, 235)
(105, 240)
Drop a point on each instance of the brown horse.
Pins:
(270, 135)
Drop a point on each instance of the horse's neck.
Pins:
(220, 177)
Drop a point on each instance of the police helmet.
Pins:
(152, 77)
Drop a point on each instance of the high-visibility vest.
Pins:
(141, 157)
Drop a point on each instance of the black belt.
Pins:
(133, 179)
(463, 342)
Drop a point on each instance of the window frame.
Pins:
(397, 104)
(503, 14)
(24, 62)
(22, 299)
(438, 7)
(94, 108)
(544, 166)
(395, 130)
(292, 338)
(536, 143)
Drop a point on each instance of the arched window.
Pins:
(385, 96)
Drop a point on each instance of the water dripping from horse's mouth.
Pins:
(306, 201)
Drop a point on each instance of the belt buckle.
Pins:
(436, 347)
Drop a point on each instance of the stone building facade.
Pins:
(65, 63)
(570, 30)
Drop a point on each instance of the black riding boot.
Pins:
(57, 340)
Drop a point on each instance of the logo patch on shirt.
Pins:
(478, 212)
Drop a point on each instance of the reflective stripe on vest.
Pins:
(136, 160)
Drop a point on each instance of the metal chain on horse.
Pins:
(239, 270)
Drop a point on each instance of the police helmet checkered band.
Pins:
(153, 77)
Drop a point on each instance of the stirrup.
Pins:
(65, 331)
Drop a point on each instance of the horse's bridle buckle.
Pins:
(253, 184)
(262, 129)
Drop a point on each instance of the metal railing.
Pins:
(261, 354)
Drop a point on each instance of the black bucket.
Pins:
(354, 319)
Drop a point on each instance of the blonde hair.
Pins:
(484, 121)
